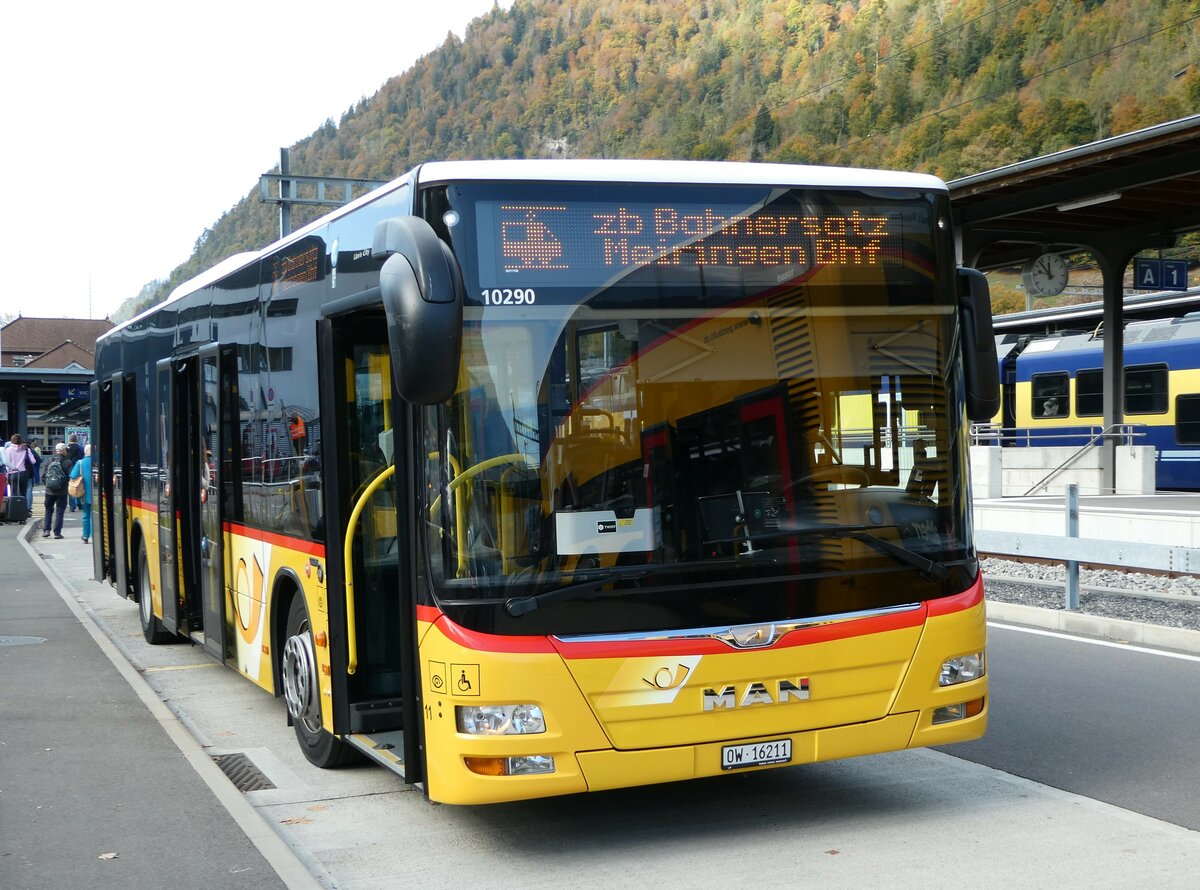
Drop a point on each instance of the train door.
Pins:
(213, 449)
(367, 459)
(1008, 389)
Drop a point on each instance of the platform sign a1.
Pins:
(1152, 274)
(1175, 275)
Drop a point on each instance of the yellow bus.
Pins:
(527, 478)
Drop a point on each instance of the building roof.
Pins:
(64, 355)
(1140, 189)
(29, 336)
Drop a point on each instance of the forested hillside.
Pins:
(948, 87)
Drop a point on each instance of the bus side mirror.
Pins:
(421, 288)
(980, 367)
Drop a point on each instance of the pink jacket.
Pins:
(17, 458)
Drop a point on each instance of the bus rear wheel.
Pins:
(302, 692)
(152, 628)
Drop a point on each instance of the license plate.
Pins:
(758, 754)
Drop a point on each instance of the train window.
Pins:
(1089, 393)
(1050, 395)
(1146, 389)
(1187, 419)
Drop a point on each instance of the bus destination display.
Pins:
(591, 244)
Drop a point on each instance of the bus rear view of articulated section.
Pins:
(625, 472)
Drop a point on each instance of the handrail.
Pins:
(347, 556)
(1106, 433)
(983, 433)
(1123, 431)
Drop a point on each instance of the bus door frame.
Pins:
(222, 361)
(103, 568)
(335, 334)
(168, 552)
(120, 557)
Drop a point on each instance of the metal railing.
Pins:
(1071, 550)
(1118, 433)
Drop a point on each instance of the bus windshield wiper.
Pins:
(521, 605)
(923, 564)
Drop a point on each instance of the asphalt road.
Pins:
(1110, 722)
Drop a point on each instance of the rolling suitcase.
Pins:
(15, 508)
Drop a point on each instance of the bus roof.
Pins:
(579, 170)
(700, 172)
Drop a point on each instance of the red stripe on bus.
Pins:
(428, 614)
(141, 505)
(299, 544)
(481, 642)
(968, 599)
(805, 636)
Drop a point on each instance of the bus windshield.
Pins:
(683, 406)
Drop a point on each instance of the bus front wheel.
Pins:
(302, 692)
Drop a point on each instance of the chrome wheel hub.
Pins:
(300, 681)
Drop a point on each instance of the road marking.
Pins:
(1132, 647)
(180, 667)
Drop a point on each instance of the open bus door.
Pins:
(184, 420)
(102, 550)
(122, 447)
(168, 522)
(366, 449)
(213, 449)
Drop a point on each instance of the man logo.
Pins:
(755, 693)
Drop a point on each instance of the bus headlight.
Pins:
(499, 719)
(526, 765)
(962, 668)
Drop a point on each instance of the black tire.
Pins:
(302, 693)
(152, 628)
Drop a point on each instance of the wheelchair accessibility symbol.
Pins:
(464, 679)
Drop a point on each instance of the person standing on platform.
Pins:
(19, 461)
(75, 453)
(83, 472)
(54, 477)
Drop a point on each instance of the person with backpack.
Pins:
(54, 476)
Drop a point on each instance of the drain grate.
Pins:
(242, 772)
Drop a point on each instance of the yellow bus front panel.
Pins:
(618, 718)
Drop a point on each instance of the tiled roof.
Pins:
(35, 337)
(63, 355)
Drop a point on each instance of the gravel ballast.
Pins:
(1128, 596)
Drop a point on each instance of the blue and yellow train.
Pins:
(1052, 387)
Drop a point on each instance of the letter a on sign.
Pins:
(1147, 273)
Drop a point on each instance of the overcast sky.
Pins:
(131, 126)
